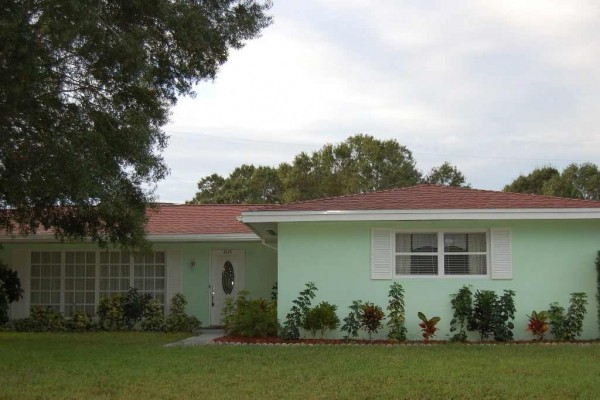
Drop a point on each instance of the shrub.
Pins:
(598, 287)
(249, 318)
(40, 320)
(10, 290)
(293, 320)
(133, 307)
(371, 318)
(503, 317)
(321, 318)
(462, 305)
(397, 319)
(153, 318)
(79, 321)
(111, 313)
(538, 324)
(428, 326)
(352, 321)
(569, 326)
(178, 320)
(492, 316)
(274, 293)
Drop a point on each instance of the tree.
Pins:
(447, 175)
(246, 184)
(85, 87)
(534, 182)
(358, 165)
(576, 181)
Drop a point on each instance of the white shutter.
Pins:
(20, 263)
(501, 253)
(173, 275)
(381, 254)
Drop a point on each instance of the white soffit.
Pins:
(249, 217)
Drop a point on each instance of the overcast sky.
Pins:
(497, 88)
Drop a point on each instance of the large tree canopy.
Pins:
(85, 87)
(578, 181)
(359, 164)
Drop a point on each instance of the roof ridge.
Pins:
(530, 195)
(352, 195)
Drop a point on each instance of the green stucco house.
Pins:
(431, 239)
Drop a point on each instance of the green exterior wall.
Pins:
(260, 274)
(550, 260)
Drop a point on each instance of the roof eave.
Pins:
(162, 238)
(249, 217)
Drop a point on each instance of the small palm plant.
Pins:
(428, 326)
(538, 324)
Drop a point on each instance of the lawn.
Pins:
(135, 365)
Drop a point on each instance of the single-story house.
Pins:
(431, 239)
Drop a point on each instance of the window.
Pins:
(46, 279)
(71, 280)
(115, 273)
(441, 253)
(149, 274)
(80, 282)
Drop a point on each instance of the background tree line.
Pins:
(358, 165)
(362, 164)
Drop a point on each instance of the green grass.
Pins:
(135, 365)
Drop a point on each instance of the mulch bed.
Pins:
(273, 340)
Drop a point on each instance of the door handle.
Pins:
(212, 298)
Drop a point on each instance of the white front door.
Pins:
(227, 278)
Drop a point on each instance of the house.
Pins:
(191, 243)
(431, 239)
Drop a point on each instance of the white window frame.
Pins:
(441, 253)
(97, 277)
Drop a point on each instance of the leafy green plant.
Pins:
(371, 318)
(10, 290)
(133, 307)
(492, 316)
(321, 318)
(293, 320)
(428, 326)
(598, 287)
(462, 304)
(503, 317)
(178, 320)
(352, 322)
(396, 314)
(153, 319)
(274, 293)
(41, 319)
(250, 318)
(111, 313)
(79, 321)
(538, 324)
(568, 326)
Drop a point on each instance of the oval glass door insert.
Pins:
(227, 277)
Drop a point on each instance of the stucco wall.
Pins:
(550, 260)
(261, 268)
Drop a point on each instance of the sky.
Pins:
(495, 88)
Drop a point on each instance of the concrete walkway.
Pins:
(204, 337)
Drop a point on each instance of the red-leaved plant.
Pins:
(428, 326)
(538, 324)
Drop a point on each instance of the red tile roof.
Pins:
(196, 219)
(432, 197)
